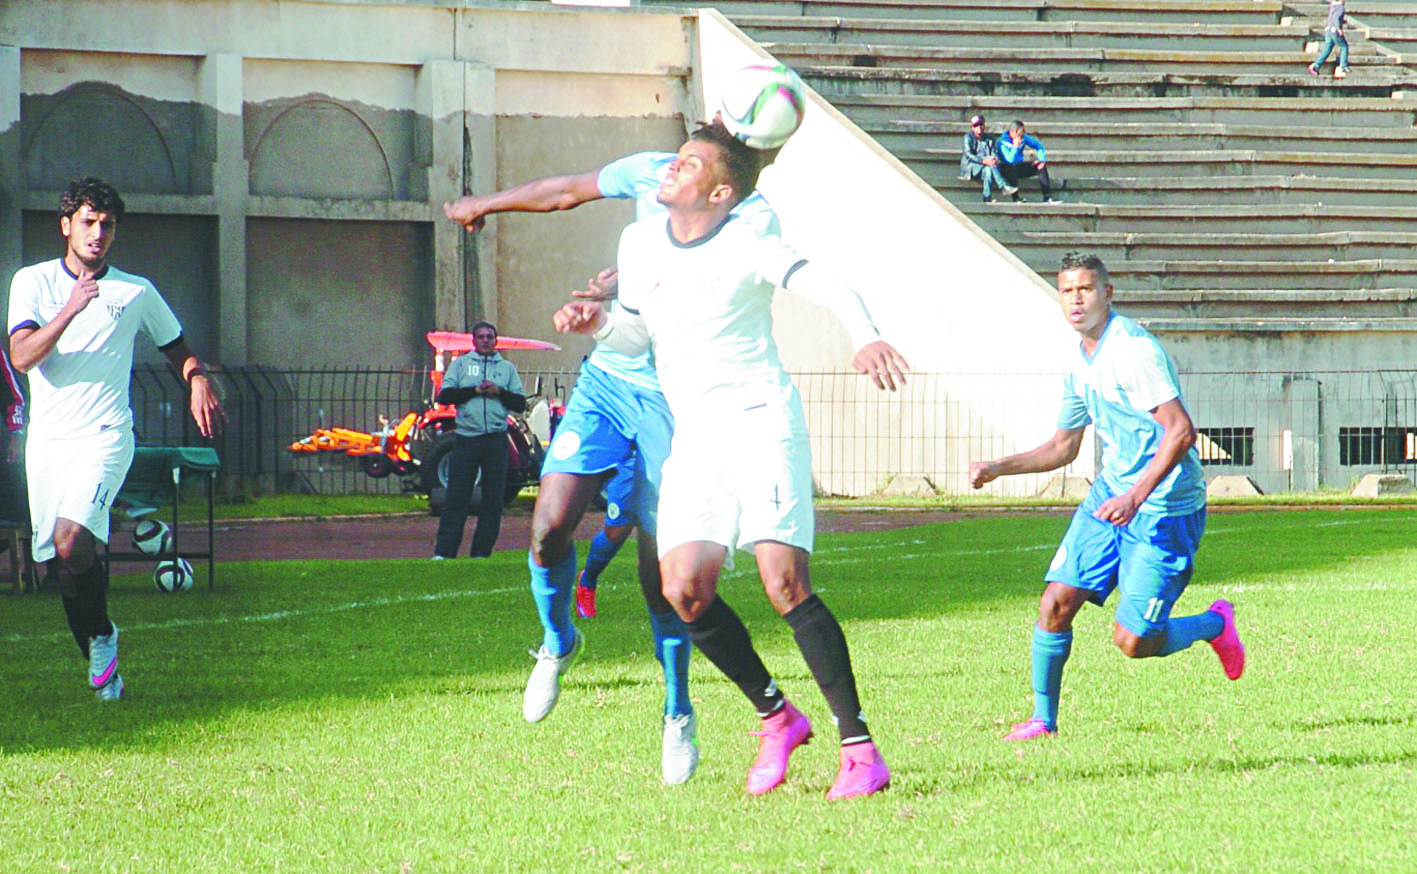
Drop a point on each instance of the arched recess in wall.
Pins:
(319, 148)
(93, 129)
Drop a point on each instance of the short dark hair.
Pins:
(1085, 261)
(742, 161)
(483, 325)
(93, 192)
(1016, 124)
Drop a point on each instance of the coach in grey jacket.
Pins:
(485, 387)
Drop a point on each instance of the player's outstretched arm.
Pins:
(874, 357)
(1059, 451)
(880, 361)
(547, 194)
(206, 407)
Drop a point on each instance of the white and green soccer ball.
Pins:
(762, 105)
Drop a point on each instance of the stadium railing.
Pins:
(1287, 431)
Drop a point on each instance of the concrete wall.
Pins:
(284, 161)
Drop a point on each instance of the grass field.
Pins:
(365, 716)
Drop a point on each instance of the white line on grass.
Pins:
(283, 614)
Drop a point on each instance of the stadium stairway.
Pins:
(1226, 187)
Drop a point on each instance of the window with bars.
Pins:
(1369, 445)
(1226, 446)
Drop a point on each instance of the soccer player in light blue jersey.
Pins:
(1140, 526)
(617, 420)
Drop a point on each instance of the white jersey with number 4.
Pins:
(81, 387)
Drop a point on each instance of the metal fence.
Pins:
(1285, 430)
(270, 408)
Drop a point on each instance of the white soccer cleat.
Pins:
(544, 685)
(103, 666)
(681, 749)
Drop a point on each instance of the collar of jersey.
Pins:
(701, 240)
(64, 265)
(1107, 329)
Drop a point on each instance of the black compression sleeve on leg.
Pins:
(86, 605)
(823, 645)
(723, 639)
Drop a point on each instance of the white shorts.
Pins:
(740, 479)
(75, 479)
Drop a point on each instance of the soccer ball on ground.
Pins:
(173, 575)
(152, 537)
(762, 104)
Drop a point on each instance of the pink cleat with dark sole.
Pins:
(783, 732)
(1228, 646)
(1029, 730)
(863, 772)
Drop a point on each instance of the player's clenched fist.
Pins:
(981, 472)
(85, 289)
(579, 317)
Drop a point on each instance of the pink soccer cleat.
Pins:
(783, 732)
(1228, 645)
(585, 602)
(863, 772)
(1029, 730)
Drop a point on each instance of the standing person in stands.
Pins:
(73, 323)
(1015, 165)
(1333, 36)
(979, 159)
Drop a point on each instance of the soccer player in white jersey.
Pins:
(615, 434)
(696, 289)
(72, 325)
(1141, 523)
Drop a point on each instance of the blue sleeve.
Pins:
(1074, 413)
(1006, 149)
(1037, 144)
(633, 175)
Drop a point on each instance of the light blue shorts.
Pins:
(1151, 558)
(619, 493)
(613, 424)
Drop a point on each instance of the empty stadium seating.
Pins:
(1225, 185)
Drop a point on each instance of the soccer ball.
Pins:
(762, 105)
(152, 537)
(173, 575)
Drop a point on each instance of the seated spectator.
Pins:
(978, 159)
(1014, 165)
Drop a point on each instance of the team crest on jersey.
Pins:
(115, 309)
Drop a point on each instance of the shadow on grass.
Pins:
(280, 633)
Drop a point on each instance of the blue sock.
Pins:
(671, 647)
(1181, 633)
(602, 550)
(551, 589)
(1050, 653)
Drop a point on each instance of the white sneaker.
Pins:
(681, 749)
(1340, 73)
(544, 685)
(1009, 190)
(103, 666)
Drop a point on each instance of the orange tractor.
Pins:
(390, 450)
